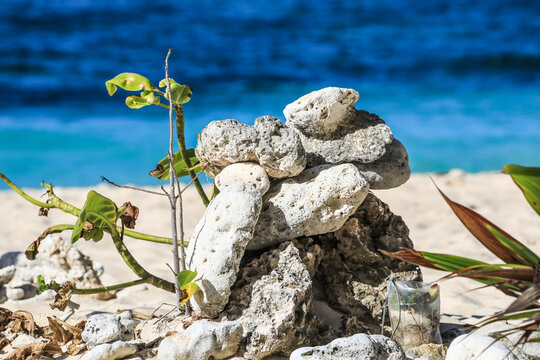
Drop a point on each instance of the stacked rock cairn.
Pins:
(287, 252)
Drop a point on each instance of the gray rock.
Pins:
(106, 328)
(6, 274)
(314, 289)
(116, 350)
(218, 243)
(277, 319)
(250, 174)
(317, 201)
(21, 292)
(352, 273)
(478, 347)
(3, 295)
(427, 352)
(202, 341)
(279, 150)
(333, 131)
(269, 142)
(356, 347)
(57, 259)
(321, 112)
(389, 171)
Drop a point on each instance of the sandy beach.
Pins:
(433, 227)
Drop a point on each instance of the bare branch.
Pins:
(103, 178)
(192, 180)
(172, 177)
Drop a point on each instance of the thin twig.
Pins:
(172, 176)
(169, 266)
(195, 178)
(103, 178)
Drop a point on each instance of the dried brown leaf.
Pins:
(4, 342)
(43, 212)
(34, 351)
(130, 215)
(75, 348)
(56, 333)
(527, 300)
(63, 296)
(5, 315)
(22, 321)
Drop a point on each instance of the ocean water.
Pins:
(458, 82)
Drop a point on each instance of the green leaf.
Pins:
(136, 102)
(526, 255)
(185, 277)
(163, 82)
(180, 94)
(450, 262)
(42, 286)
(528, 180)
(150, 97)
(519, 315)
(162, 169)
(129, 82)
(90, 226)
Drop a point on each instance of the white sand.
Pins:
(433, 227)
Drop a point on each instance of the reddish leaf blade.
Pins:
(412, 256)
(479, 228)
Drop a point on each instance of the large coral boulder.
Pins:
(317, 201)
(218, 245)
(269, 142)
(311, 290)
(333, 131)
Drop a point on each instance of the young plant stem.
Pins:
(183, 152)
(56, 287)
(130, 260)
(57, 203)
(172, 197)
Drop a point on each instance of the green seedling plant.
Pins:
(100, 215)
(519, 273)
(187, 286)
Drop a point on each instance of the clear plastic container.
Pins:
(414, 309)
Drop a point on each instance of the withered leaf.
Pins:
(43, 212)
(75, 348)
(158, 171)
(4, 342)
(34, 351)
(130, 215)
(63, 296)
(56, 333)
(32, 250)
(22, 320)
(5, 315)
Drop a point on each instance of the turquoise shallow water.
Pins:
(458, 83)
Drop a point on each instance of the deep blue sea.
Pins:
(457, 81)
